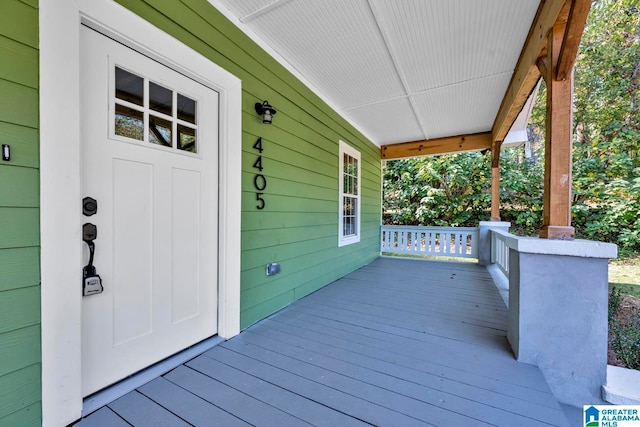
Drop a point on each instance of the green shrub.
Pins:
(615, 299)
(626, 340)
(624, 331)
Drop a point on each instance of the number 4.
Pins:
(258, 145)
(258, 163)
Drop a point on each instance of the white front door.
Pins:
(149, 139)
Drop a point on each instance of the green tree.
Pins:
(607, 125)
(444, 190)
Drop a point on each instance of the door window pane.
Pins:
(186, 139)
(186, 109)
(159, 131)
(129, 123)
(129, 87)
(160, 99)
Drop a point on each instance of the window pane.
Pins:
(186, 109)
(160, 99)
(186, 139)
(129, 123)
(159, 131)
(347, 227)
(129, 87)
(353, 167)
(349, 216)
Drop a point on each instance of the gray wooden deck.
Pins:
(399, 342)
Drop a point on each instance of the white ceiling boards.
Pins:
(400, 70)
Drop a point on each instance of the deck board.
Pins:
(187, 405)
(359, 407)
(139, 410)
(498, 394)
(299, 406)
(244, 406)
(389, 378)
(397, 342)
(103, 417)
(400, 365)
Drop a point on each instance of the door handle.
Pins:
(91, 281)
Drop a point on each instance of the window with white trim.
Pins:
(349, 201)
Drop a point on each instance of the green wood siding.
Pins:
(20, 358)
(299, 226)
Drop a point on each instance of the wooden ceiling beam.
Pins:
(526, 74)
(429, 147)
(572, 35)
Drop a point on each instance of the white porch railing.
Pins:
(500, 250)
(459, 242)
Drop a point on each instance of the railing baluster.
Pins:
(461, 242)
(500, 252)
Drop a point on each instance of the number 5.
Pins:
(260, 199)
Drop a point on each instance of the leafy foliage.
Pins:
(624, 331)
(607, 126)
(455, 189)
(445, 190)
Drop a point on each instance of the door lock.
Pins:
(89, 206)
(91, 281)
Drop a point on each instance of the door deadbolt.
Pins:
(89, 206)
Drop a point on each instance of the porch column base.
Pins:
(558, 313)
(557, 232)
(495, 219)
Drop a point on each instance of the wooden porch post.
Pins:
(495, 181)
(556, 221)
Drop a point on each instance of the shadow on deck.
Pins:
(399, 342)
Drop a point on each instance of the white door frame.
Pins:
(60, 189)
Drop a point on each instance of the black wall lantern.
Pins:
(266, 111)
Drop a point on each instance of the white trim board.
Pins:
(60, 209)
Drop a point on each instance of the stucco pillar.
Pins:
(558, 313)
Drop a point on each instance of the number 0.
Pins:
(260, 182)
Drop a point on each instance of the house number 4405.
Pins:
(259, 181)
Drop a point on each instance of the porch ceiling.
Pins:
(399, 70)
